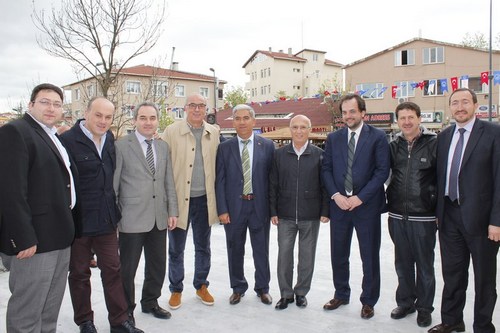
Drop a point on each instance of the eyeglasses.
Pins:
(302, 128)
(46, 103)
(195, 106)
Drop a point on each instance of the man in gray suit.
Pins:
(145, 191)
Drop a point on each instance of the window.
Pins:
(77, 94)
(178, 113)
(296, 87)
(91, 90)
(475, 84)
(159, 88)
(204, 92)
(404, 57)
(433, 55)
(128, 110)
(269, 71)
(432, 88)
(180, 90)
(315, 57)
(405, 89)
(296, 70)
(133, 87)
(370, 90)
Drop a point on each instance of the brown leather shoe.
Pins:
(235, 298)
(445, 328)
(367, 311)
(266, 298)
(334, 304)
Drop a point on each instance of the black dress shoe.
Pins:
(266, 298)
(158, 312)
(235, 298)
(131, 317)
(445, 328)
(367, 311)
(88, 327)
(283, 303)
(126, 327)
(334, 304)
(424, 318)
(401, 312)
(301, 301)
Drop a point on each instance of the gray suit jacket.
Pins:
(143, 198)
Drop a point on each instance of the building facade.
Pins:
(302, 74)
(168, 88)
(425, 72)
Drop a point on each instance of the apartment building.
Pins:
(168, 88)
(423, 71)
(302, 74)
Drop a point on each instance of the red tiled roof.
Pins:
(144, 70)
(313, 108)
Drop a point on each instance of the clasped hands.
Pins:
(347, 203)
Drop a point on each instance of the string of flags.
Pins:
(431, 85)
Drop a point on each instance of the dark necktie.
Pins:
(350, 157)
(149, 156)
(247, 172)
(455, 167)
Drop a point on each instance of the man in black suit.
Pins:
(468, 212)
(37, 195)
(91, 145)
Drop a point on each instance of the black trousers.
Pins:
(414, 244)
(457, 248)
(154, 243)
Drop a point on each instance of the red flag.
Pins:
(421, 85)
(394, 90)
(454, 83)
(484, 77)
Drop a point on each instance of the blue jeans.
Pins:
(198, 219)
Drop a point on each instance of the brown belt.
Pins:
(247, 196)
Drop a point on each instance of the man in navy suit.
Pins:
(243, 202)
(356, 164)
(468, 212)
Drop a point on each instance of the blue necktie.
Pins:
(455, 167)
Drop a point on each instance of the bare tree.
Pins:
(94, 34)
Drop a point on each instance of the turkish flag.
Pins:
(394, 89)
(454, 83)
(484, 77)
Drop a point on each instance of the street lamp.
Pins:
(215, 94)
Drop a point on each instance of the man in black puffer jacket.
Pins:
(411, 198)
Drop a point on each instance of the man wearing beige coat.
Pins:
(193, 148)
(144, 186)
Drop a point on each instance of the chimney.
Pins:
(270, 49)
(289, 51)
(175, 66)
(280, 51)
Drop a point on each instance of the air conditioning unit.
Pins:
(402, 99)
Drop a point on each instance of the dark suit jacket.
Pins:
(370, 169)
(35, 194)
(479, 178)
(229, 180)
(99, 211)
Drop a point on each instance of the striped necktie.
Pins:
(149, 156)
(350, 156)
(247, 171)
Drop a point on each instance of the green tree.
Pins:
(234, 96)
(480, 41)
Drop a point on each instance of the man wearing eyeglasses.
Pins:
(37, 195)
(193, 146)
(298, 203)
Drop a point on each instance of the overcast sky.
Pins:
(223, 34)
